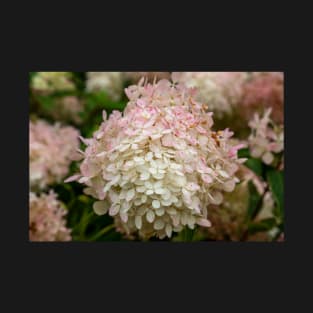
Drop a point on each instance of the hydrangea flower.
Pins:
(157, 166)
(46, 218)
(150, 76)
(264, 90)
(266, 137)
(221, 91)
(52, 81)
(110, 82)
(51, 150)
(67, 109)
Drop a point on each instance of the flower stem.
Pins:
(102, 232)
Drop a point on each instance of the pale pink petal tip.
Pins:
(72, 178)
(205, 223)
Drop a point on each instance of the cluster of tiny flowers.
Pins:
(264, 90)
(221, 91)
(266, 137)
(110, 82)
(51, 149)
(157, 166)
(67, 109)
(52, 81)
(150, 76)
(46, 218)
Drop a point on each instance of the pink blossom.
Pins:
(51, 150)
(157, 166)
(46, 218)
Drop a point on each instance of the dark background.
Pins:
(210, 276)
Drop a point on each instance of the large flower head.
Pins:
(46, 218)
(110, 82)
(51, 150)
(157, 166)
(221, 91)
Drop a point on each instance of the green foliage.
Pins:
(262, 226)
(276, 183)
(255, 202)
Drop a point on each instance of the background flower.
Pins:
(110, 82)
(49, 82)
(264, 90)
(220, 91)
(51, 150)
(46, 218)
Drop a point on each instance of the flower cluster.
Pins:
(266, 137)
(110, 82)
(67, 109)
(150, 76)
(46, 218)
(264, 90)
(51, 149)
(49, 82)
(221, 91)
(158, 166)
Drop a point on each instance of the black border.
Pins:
(251, 275)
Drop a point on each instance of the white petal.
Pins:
(191, 221)
(168, 230)
(217, 198)
(153, 170)
(159, 191)
(158, 224)
(160, 212)
(224, 174)
(124, 147)
(149, 192)
(141, 189)
(166, 195)
(138, 221)
(114, 209)
(130, 194)
(156, 204)
(203, 222)
(124, 217)
(148, 185)
(101, 207)
(268, 158)
(167, 202)
(150, 216)
(229, 186)
(145, 176)
(184, 218)
(158, 175)
(149, 156)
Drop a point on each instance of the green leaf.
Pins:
(243, 153)
(255, 165)
(255, 201)
(263, 225)
(276, 184)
